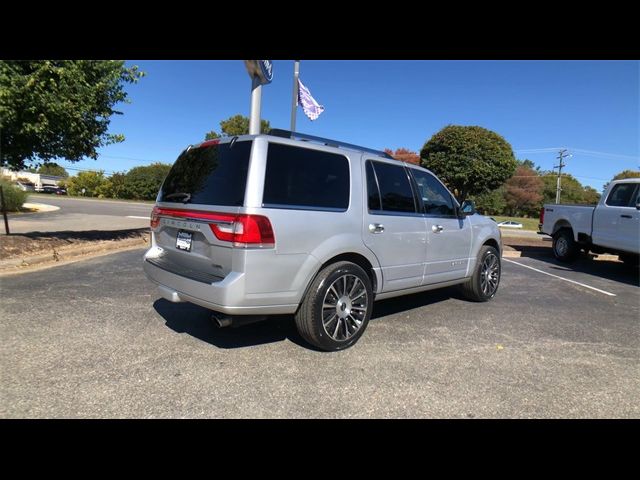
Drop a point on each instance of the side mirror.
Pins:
(468, 207)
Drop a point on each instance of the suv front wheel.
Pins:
(337, 307)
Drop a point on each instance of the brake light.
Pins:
(243, 230)
(542, 215)
(155, 219)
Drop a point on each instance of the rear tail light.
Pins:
(242, 230)
(245, 231)
(542, 215)
(155, 219)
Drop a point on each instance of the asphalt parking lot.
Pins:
(93, 339)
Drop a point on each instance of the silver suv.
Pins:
(288, 223)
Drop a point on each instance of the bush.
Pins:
(13, 196)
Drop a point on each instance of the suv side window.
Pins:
(304, 178)
(436, 199)
(392, 190)
(621, 195)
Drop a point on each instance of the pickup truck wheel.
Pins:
(565, 248)
(337, 307)
(483, 285)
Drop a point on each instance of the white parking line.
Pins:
(562, 278)
(133, 216)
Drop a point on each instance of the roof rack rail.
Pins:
(277, 132)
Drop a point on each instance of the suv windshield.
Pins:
(213, 175)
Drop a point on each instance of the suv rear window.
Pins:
(211, 175)
(307, 179)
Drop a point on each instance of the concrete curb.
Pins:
(40, 207)
(68, 254)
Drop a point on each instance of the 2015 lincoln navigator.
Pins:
(287, 223)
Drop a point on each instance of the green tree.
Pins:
(143, 183)
(590, 195)
(90, 181)
(59, 108)
(53, 169)
(14, 197)
(113, 187)
(470, 160)
(491, 203)
(236, 125)
(572, 190)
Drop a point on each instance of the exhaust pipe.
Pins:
(222, 320)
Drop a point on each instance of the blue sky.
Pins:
(590, 107)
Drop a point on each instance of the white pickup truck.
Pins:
(612, 226)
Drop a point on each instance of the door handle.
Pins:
(376, 228)
(626, 216)
(437, 228)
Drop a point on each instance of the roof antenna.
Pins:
(233, 141)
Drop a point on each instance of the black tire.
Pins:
(565, 249)
(341, 325)
(483, 284)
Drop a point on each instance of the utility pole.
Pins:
(563, 154)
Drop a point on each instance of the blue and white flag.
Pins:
(311, 108)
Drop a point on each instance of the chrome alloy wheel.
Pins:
(344, 307)
(490, 274)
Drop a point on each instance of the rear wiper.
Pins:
(185, 196)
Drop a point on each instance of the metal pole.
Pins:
(4, 211)
(256, 100)
(294, 99)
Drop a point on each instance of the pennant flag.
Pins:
(311, 108)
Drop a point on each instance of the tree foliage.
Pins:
(236, 125)
(113, 187)
(523, 192)
(14, 197)
(90, 181)
(572, 190)
(143, 183)
(491, 203)
(59, 108)
(53, 169)
(404, 155)
(470, 160)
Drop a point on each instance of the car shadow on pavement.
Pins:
(197, 322)
(71, 236)
(404, 303)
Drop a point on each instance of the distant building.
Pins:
(38, 180)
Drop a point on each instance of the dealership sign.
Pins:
(262, 69)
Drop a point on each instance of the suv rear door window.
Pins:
(304, 178)
(395, 191)
(211, 175)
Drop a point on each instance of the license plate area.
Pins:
(184, 240)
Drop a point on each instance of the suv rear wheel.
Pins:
(336, 309)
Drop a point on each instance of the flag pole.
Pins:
(294, 99)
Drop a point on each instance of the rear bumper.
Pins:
(226, 296)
